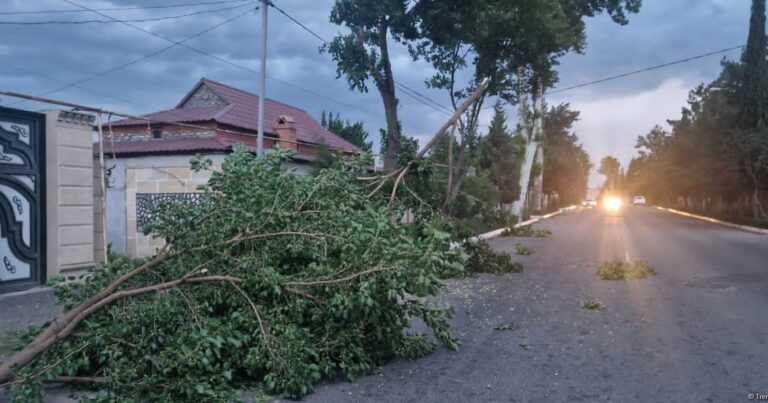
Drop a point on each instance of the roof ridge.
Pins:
(204, 79)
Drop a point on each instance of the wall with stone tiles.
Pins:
(156, 174)
(160, 174)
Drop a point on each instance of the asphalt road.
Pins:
(696, 331)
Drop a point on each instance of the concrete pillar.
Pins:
(70, 229)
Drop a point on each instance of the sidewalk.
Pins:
(20, 310)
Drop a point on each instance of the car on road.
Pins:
(589, 202)
(638, 201)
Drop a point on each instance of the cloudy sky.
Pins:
(38, 59)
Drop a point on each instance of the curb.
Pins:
(746, 228)
(497, 232)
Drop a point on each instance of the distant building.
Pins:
(148, 162)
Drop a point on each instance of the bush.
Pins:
(593, 304)
(527, 232)
(482, 259)
(281, 279)
(621, 270)
(522, 250)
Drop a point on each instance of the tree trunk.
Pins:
(530, 148)
(538, 181)
(386, 86)
(462, 167)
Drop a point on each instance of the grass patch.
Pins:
(523, 250)
(525, 346)
(507, 326)
(621, 270)
(482, 259)
(593, 304)
(527, 231)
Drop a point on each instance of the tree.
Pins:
(566, 164)
(363, 53)
(355, 133)
(274, 277)
(500, 156)
(610, 167)
(751, 134)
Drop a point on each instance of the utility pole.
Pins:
(262, 78)
(532, 144)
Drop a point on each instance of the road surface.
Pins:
(695, 332)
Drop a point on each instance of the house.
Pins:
(147, 161)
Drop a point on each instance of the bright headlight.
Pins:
(612, 203)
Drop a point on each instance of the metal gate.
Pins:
(22, 199)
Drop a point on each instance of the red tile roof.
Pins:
(241, 112)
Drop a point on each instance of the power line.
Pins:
(418, 97)
(172, 17)
(65, 82)
(643, 70)
(226, 61)
(135, 61)
(407, 90)
(178, 5)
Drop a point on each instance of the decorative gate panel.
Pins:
(22, 199)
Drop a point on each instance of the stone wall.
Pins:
(155, 175)
(159, 176)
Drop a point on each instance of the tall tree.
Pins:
(500, 156)
(363, 54)
(566, 164)
(513, 43)
(610, 167)
(355, 133)
(751, 136)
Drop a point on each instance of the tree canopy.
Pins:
(566, 164)
(355, 133)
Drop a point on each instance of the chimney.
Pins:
(286, 131)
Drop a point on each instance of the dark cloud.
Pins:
(663, 31)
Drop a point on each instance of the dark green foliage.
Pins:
(507, 326)
(566, 164)
(501, 155)
(753, 94)
(622, 270)
(328, 284)
(593, 304)
(527, 231)
(715, 159)
(355, 133)
(523, 250)
(482, 259)
(610, 167)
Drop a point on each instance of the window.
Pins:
(157, 133)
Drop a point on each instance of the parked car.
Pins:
(639, 201)
(589, 202)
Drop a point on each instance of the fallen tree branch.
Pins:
(442, 130)
(338, 280)
(79, 380)
(32, 350)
